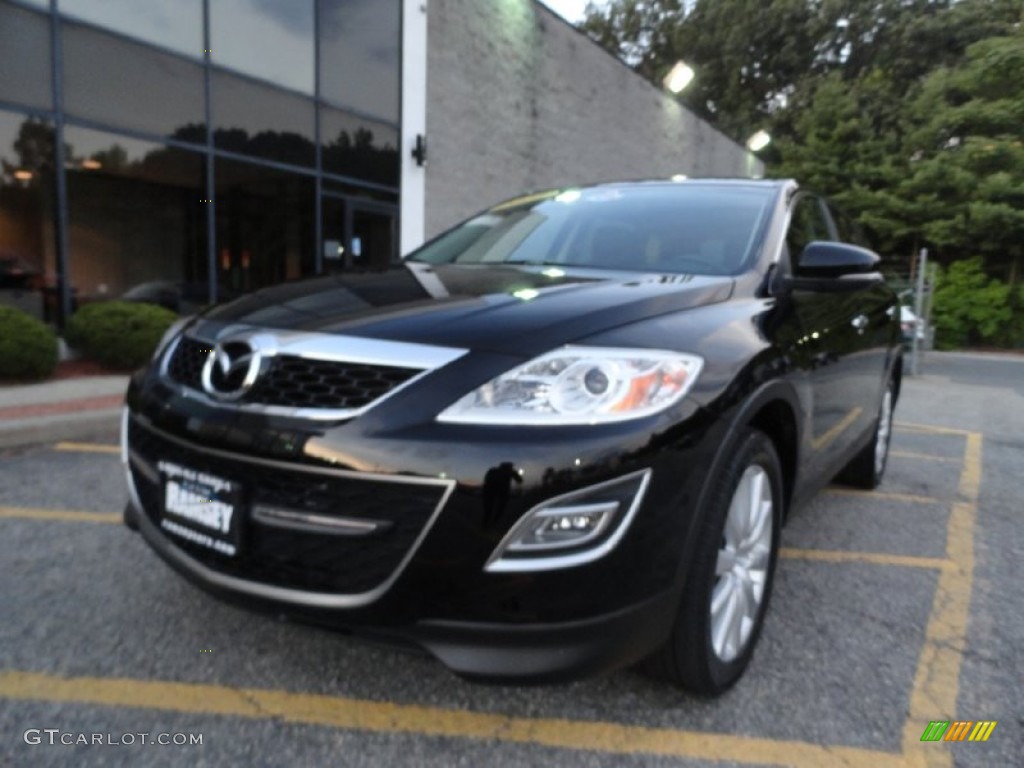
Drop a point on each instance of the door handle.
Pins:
(860, 322)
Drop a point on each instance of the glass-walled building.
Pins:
(186, 151)
(183, 152)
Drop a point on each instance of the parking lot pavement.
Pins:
(891, 610)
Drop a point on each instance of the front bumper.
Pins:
(482, 651)
(435, 594)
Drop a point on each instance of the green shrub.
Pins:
(28, 349)
(970, 307)
(118, 334)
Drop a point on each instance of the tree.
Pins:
(846, 142)
(907, 113)
(636, 31)
(748, 53)
(967, 156)
(758, 63)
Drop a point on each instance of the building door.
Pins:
(374, 241)
(359, 233)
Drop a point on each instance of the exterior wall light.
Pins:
(419, 152)
(680, 76)
(759, 141)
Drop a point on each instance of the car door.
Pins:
(875, 314)
(835, 339)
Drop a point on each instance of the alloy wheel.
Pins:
(882, 434)
(742, 567)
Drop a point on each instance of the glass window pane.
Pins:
(129, 85)
(175, 24)
(336, 187)
(807, 224)
(256, 119)
(28, 254)
(359, 55)
(371, 240)
(360, 148)
(137, 221)
(271, 39)
(374, 241)
(264, 226)
(24, 57)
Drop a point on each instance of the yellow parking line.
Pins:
(88, 448)
(384, 717)
(937, 679)
(928, 429)
(875, 558)
(66, 515)
(933, 696)
(876, 495)
(922, 456)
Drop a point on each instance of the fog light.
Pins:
(559, 527)
(572, 529)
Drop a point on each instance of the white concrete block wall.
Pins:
(518, 100)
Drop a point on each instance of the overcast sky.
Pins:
(569, 9)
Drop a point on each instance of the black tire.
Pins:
(867, 468)
(689, 658)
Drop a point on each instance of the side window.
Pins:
(848, 229)
(808, 223)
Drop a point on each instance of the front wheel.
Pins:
(729, 584)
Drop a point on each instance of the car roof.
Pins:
(732, 181)
(709, 181)
(701, 181)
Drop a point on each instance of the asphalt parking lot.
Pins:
(892, 609)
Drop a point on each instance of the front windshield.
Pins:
(677, 228)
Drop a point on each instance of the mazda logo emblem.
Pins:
(230, 370)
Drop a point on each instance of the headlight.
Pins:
(170, 335)
(580, 385)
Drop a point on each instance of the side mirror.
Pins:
(826, 259)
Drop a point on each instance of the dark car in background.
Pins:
(559, 439)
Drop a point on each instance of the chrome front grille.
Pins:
(307, 374)
(301, 383)
(186, 363)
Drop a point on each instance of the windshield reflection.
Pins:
(675, 229)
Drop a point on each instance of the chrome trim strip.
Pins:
(148, 470)
(333, 347)
(167, 354)
(313, 346)
(496, 564)
(313, 523)
(267, 591)
(133, 493)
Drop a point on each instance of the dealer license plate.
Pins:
(201, 508)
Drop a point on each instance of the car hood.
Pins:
(517, 309)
